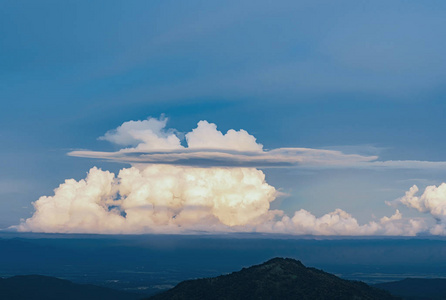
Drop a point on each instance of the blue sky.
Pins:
(356, 76)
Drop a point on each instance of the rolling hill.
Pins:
(37, 287)
(416, 288)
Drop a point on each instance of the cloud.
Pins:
(340, 222)
(406, 164)
(85, 205)
(432, 201)
(145, 135)
(152, 143)
(206, 136)
(282, 157)
(178, 199)
(157, 198)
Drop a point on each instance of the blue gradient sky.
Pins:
(363, 77)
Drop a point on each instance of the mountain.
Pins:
(278, 278)
(416, 288)
(38, 287)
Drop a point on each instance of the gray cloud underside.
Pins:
(281, 157)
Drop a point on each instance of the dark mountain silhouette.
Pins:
(416, 288)
(37, 287)
(278, 278)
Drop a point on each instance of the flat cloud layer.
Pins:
(161, 193)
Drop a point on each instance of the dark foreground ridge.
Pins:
(278, 278)
(39, 287)
(416, 288)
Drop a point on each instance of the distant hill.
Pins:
(38, 287)
(278, 278)
(416, 288)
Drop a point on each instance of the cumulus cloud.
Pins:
(84, 204)
(178, 199)
(206, 136)
(211, 184)
(146, 135)
(340, 222)
(432, 201)
(157, 198)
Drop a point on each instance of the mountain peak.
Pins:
(283, 260)
(278, 278)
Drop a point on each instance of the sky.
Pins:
(296, 117)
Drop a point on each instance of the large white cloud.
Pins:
(157, 198)
(178, 199)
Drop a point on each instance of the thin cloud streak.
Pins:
(281, 157)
